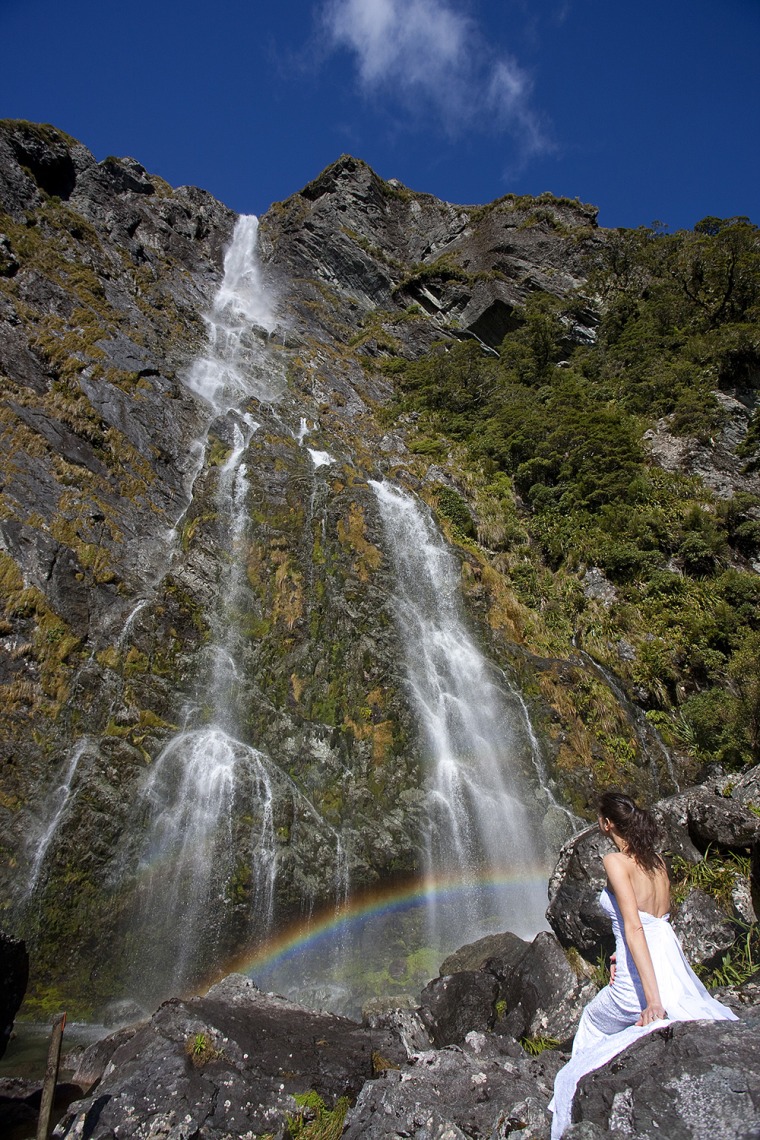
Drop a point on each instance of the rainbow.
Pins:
(308, 933)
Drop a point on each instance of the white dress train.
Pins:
(607, 1025)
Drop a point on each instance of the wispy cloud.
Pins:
(434, 59)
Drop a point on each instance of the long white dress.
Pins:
(607, 1025)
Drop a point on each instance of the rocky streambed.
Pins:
(475, 1055)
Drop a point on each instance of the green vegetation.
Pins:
(200, 1049)
(315, 1121)
(739, 965)
(536, 1045)
(715, 874)
(551, 444)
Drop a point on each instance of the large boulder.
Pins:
(228, 1063)
(453, 1005)
(485, 1089)
(718, 813)
(697, 1080)
(703, 928)
(495, 952)
(14, 974)
(544, 995)
(574, 912)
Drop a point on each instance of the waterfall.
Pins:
(56, 811)
(212, 804)
(481, 809)
(234, 366)
(209, 862)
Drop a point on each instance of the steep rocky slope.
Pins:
(115, 553)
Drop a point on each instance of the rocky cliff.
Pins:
(115, 553)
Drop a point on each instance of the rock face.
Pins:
(115, 548)
(112, 536)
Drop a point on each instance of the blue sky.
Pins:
(648, 110)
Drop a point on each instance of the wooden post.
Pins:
(51, 1077)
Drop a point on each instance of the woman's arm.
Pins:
(622, 887)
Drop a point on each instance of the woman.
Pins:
(651, 981)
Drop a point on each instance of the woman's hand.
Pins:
(613, 967)
(652, 1012)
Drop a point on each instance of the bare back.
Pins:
(651, 888)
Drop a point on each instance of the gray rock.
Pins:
(574, 912)
(544, 993)
(452, 1006)
(704, 930)
(597, 587)
(228, 1063)
(498, 953)
(471, 1095)
(404, 1021)
(691, 1081)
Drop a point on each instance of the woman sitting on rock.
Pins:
(652, 981)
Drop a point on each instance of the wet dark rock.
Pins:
(453, 1005)
(691, 1081)
(20, 1104)
(574, 912)
(544, 994)
(228, 1063)
(498, 953)
(14, 975)
(89, 1064)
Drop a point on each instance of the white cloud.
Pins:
(433, 58)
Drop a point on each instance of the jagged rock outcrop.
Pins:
(359, 242)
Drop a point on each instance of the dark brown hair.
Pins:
(635, 825)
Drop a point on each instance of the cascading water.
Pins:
(56, 811)
(208, 867)
(234, 368)
(480, 825)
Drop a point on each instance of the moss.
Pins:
(352, 536)
(218, 453)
